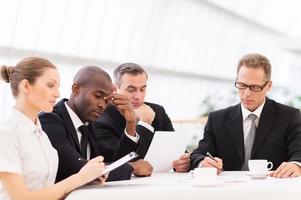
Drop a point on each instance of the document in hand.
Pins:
(166, 147)
(119, 162)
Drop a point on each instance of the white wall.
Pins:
(189, 47)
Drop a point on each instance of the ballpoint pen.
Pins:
(83, 160)
(210, 156)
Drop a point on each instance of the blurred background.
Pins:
(189, 48)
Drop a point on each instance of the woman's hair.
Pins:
(28, 68)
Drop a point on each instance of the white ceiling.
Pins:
(194, 45)
(174, 35)
(280, 15)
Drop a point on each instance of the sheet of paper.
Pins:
(166, 147)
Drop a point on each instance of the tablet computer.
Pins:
(119, 162)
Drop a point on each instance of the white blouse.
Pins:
(25, 149)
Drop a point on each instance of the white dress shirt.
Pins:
(25, 149)
(141, 123)
(78, 123)
(146, 125)
(247, 122)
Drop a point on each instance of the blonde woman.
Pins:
(28, 162)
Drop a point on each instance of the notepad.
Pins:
(166, 147)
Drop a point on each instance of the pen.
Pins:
(82, 160)
(85, 161)
(210, 156)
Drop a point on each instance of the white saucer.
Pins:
(207, 183)
(258, 176)
(234, 179)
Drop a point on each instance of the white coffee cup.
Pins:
(260, 167)
(204, 174)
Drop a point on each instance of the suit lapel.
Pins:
(69, 124)
(235, 130)
(267, 120)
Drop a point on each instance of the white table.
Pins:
(173, 186)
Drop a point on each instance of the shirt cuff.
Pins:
(297, 163)
(146, 125)
(133, 138)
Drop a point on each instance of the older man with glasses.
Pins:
(256, 128)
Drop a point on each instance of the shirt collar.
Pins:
(26, 125)
(75, 119)
(246, 112)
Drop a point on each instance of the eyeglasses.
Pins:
(255, 88)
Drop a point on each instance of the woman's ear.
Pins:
(24, 86)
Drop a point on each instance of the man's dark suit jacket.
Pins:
(278, 136)
(62, 134)
(111, 124)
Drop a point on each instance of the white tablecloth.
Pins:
(173, 186)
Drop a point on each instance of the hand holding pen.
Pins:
(210, 161)
(93, 168)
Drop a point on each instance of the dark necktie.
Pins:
(84, 140)
(249, 141)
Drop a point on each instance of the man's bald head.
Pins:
(91, 85)
(91, 75)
